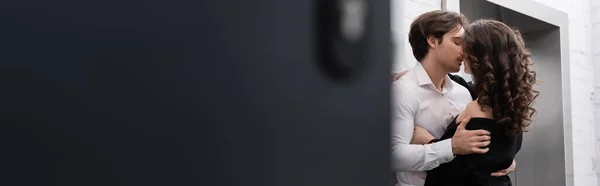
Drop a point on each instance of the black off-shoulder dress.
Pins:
(476, 169)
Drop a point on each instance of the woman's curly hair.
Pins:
(500, 64)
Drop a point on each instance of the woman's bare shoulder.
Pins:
(473, 109)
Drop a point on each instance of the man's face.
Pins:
(449, 53)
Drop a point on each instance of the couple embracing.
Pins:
(447, 132)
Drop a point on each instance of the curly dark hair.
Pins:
(503, 80)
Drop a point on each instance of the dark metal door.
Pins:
(217, 92)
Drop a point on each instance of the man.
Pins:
(426, 96)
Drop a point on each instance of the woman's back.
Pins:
(476, 169)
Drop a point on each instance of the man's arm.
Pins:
(405, 156)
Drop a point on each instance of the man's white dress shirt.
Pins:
(416, 101)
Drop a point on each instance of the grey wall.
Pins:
(478, 9)
(522, 22)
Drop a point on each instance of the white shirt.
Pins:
(416, 101)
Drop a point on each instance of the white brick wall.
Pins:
(404, 11)
(595, 58)
(584, 35)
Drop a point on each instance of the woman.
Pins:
(496, 57)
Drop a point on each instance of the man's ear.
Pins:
(432, 41)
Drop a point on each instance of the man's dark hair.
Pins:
(432, 24)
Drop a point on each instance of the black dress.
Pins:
(476, 169)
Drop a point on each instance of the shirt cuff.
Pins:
(444, 150)
(433, 141)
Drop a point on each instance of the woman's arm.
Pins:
(421, 136)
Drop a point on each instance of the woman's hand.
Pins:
(421, 136)
(397, 76)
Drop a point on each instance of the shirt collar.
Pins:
(423, 78)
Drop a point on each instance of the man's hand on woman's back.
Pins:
(469, 141)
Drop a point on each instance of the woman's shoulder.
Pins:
(474, 109)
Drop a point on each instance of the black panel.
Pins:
(186, 93)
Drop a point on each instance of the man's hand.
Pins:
(397, 76)
(421, 136)
(506, 171)
(469, 141)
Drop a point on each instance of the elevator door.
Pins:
(541, 159)
(180, 92)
